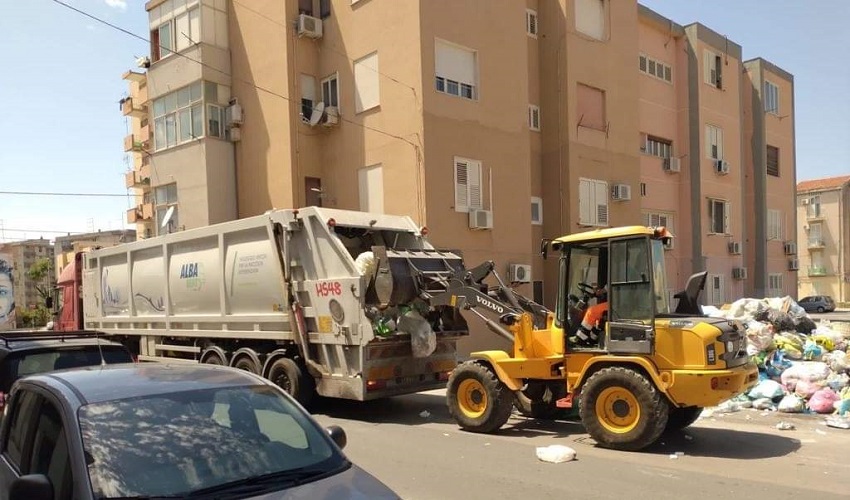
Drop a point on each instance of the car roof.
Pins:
(39, 340)
(96, 384)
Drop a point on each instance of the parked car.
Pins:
(817, 303)
(25, 353)
(161, 430)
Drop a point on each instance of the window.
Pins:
(656, 146)
(774, 225)
(536, 210)
(813, 208)
(656, 219)
(771, 97)
(50, 455)
(215, 123)
(774, 285)
(330, 90)
(631, 288)
(324, 8)
(773, 161)
(718, 214)
(178, 117)
(176, 34)
(655, 68)
(367, 87)
(590, 107)
(308, 96)
(643, 189)
(456, 70)
(716, 289)
(20, 429)
(533, 117)
(371, 181)
(714, 142)
(531, 22)
(537, 291)
(590, 18)
(593, 202)
(305, 7)
(468, 185)
(815, 234)
(713, 69)
(165, 197)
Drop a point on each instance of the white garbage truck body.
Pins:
(312, 298)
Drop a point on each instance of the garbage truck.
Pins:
(317, 300)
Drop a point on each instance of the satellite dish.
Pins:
(168, 214)
(316, 117)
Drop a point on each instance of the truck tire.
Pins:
(292, 378)
(621, 409)
(679, 418)
(247, 364)
(477, 399)
(214, 356)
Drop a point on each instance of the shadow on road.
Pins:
(725, 443)
(405, 410)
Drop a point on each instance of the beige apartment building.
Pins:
(66, 247)
(823, 220)
(25, 254)
(522, 121)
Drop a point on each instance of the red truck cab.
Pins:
(69, 286)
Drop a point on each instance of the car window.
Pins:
(22, 363)
(23, 410)
(50, 454)
(176, 443)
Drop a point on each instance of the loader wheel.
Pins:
(477, 399)
(293, 379)
(621, 409)
(679, 418)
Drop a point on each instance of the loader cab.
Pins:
(630, 263)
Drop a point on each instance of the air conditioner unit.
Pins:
(794, 265)
(143, 62)
(235, 134)
(519, 273)
(734, 247)
(721, 167)
(739, 273)
(480, 219)
(234, 113)
(790, 248)
(331, 117)
(621, 192)
(805, 201)
(309, 26)
(672, 165)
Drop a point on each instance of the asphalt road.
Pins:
(741, 454)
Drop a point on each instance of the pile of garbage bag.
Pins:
(804, 367)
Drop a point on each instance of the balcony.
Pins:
(138, 178)
(817, 271)
(134, 215)
(134, 108)
(814, 243)
(140, 213)
(815, 213)
(138, 142)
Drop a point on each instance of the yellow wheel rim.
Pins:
(472, 398)
(618, 410)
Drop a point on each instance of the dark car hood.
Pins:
(354, 483)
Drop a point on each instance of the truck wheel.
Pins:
(679, 418)
(621, 409)
(477, 399)
(247, 364)
(293, 379)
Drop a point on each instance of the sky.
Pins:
(61, 128)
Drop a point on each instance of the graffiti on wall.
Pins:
(7, 294)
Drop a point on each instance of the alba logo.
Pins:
(193, 272)
(189, 270)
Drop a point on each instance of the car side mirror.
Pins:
(31, 487)
(338, 436)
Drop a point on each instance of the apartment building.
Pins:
(526, 120)
(823, 221)
(65, 247)
(24, 254)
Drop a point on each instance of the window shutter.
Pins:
(601, 200)
(706, 62)
(585, 202)
(474, 182)
(647, 220)
(726, 217)
(719, 142)
(461, 186)
(642, 63)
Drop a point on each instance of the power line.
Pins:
(247, 82)
(42, 231)
(34, 193)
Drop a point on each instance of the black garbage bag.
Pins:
(782, 322)
(804, 324)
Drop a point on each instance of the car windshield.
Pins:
(178, 443)
(30, 362)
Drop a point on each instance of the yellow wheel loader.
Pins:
(649, 368)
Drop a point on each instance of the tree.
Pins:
(38, 273)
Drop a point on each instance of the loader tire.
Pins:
(294, 379)
(621, 409)
(477, 399)
(679, 418)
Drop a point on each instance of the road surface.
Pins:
(741, 454)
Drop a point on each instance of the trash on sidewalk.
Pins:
(556, 453)
(425, 414)
(838, 422)
(785, 426)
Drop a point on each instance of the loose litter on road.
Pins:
(820, 432)
(556, 453)
(425, 414)
(785, 426)
(838, 422)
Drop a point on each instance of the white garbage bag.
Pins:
(556, 453)
(792, 404)
(366, 264)
(423, 340)
(769, 389)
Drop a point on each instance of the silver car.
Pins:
(176, 431)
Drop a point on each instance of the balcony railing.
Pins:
(817, 271)
(816, 243)
(815, 213)
(140, 213)
(134, 108)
